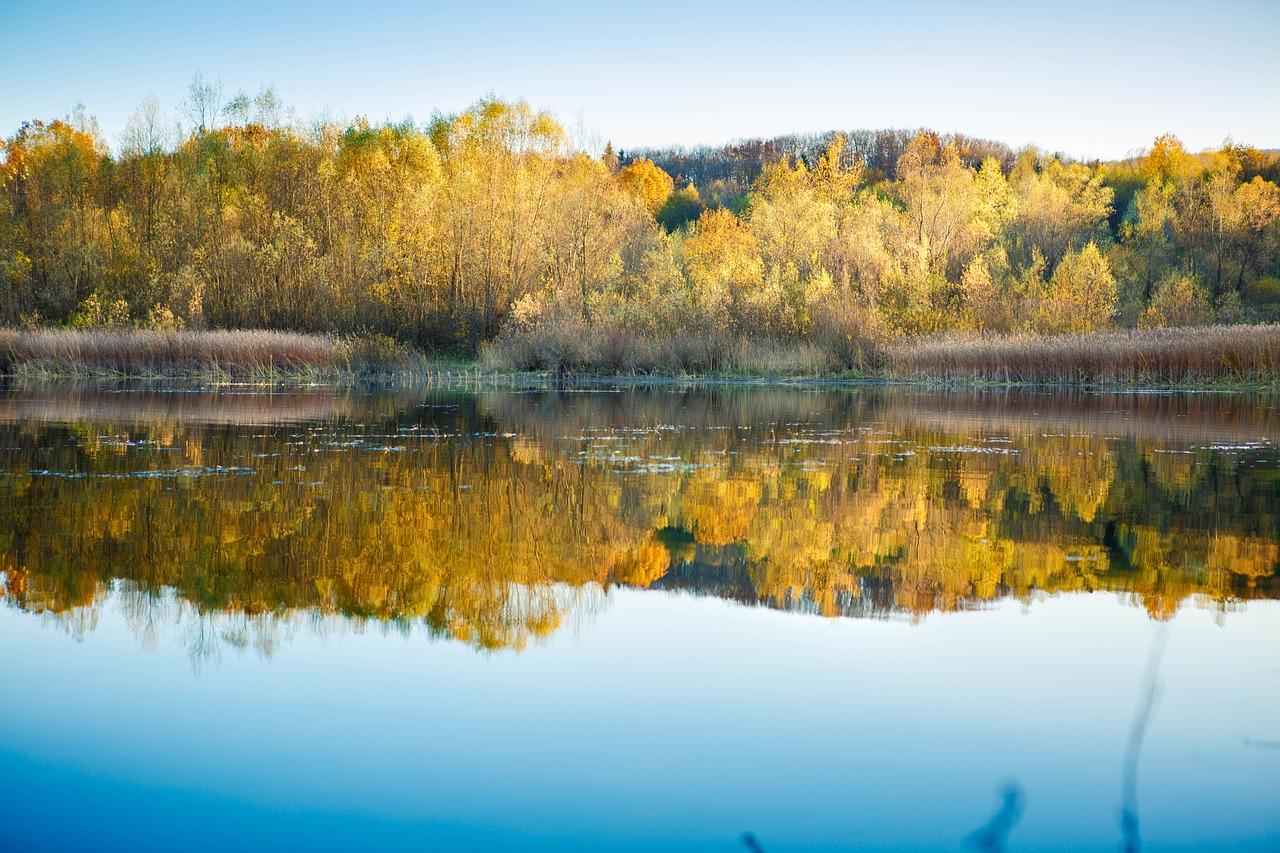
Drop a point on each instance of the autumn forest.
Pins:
(497, 229)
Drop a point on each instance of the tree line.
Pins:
(492, 224)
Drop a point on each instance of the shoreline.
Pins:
(480, 379)
(1199, 359)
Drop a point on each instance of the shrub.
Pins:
(851, 335)
(1176, 301)
(368, 352)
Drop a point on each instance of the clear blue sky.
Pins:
(1089, 78)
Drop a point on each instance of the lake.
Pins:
(676, 618)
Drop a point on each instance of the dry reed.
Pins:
(614, 351)
(1183, 356)
(139, 352)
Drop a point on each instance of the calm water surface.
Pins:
(644, 620)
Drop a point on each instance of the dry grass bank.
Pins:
(612, 351)
(1204, 356)
(1183, 356)
(238, 354)
(1232, 355)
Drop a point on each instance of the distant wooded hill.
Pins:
(729, 170)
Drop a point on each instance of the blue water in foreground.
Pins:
(662, 721)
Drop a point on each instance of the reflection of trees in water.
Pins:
(493, 519)
(154, 615)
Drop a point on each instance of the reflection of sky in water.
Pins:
(663, 722)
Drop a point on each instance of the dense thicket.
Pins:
(490, 224)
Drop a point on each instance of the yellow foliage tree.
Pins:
(722, 261)
(646, 182)
(1082, 293)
